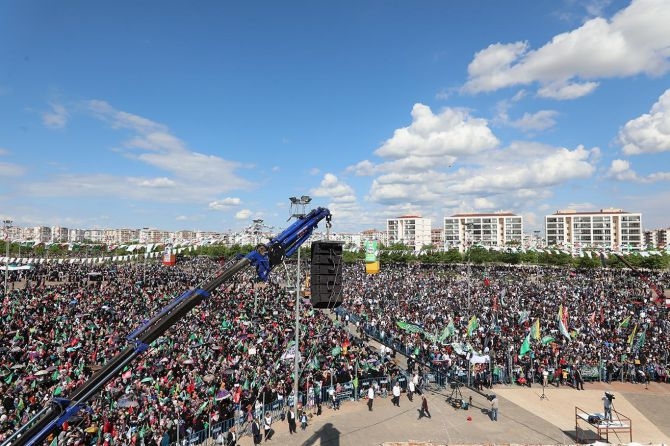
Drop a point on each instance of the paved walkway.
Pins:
(524, 418)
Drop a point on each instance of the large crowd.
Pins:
(613, 323)
(232, 352)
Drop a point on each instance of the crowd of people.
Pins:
(234, 351)
(613, 325)
(230, 354)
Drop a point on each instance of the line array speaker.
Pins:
(326, 274)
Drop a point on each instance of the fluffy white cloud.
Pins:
(649, 133)
(515, 175)
(440, 137)
(334, 189)
(56, 118)
(635, 41)
(620, 170)
(226, 203)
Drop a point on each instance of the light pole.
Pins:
(7, 224)
(468, 227)
(297, 211)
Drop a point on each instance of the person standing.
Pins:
(607, 407)
(267, 426)
(494, 408)
(256, 431)
(292, 425)
(579, 381)
(371, 397)
(396, 394)
(303, 420)
(410, 389)
(424, 408)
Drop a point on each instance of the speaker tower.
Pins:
(326, 274)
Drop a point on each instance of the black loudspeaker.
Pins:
(326, 274)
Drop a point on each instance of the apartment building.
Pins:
(59, 234)
(608, 228)
(496, 229)
(410, 230)
(656, 238)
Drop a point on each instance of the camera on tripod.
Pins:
(455, 384)
(609, 396)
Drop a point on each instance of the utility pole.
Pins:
(298, 212)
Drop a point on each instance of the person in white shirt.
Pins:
(396, 394)
(371, 397)
(410, 389)
(267, 426)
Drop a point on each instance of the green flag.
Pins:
(547, 339)
(525, 347)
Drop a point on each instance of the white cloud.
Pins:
(563, 90)
(243, 214)
(226, 203)
(482, 204)
(635, 41)
(621, 170)
(451, 133)
(57, 118)
(529, 122)
(362, 168)
(156, 182)
(334, 189)
(649, 133)
(538, 121)
(153, 144)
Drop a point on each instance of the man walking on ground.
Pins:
(396, 394)
(371, 397)
(424, 408)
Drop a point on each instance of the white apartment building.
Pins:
(38, 234)
(656, 238)
(59, 234)
(411, 230)
(75, 235)
(490, 230)
(374, 234)
(608, 228)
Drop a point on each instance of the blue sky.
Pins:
(206, 115)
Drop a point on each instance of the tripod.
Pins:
(543, 396)
(456, 397)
